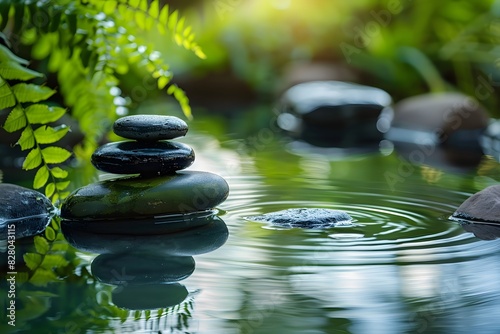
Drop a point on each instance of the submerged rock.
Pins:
(333, 113)
(23, 212)
(453, 119)
(305, 218)
(146, 158)
(137, 197)
(483, 206)
(150, 127)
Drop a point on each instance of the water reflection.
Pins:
(483, 231)
(146, 269)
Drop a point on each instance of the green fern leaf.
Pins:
(33, 159)
(172, 20)
(16, 120)
(12, 70)
(59, 173)
(62, 185)
(41, 277)
(48, 135)
(163, 82)
(109, 7)
(140, 20)
(154, 9)
(6, 55)
(134, 3)
(41, 177)
(50, 234)
(27, 140)
(7, 100)
(53, 260)
(31, 92)
(43, 114)
(41, 245)
(181, 97)
(55, 155)
(32, 260)
(49, 189)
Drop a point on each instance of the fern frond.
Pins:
(26, 111)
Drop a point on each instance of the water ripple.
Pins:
(388, 228)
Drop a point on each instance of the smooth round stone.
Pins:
(141, 268)
(306, 218)
(131, 157)
(333, 113)
(483, 206)
(189, 242)
(437, 118)
(137, 197)
(150, 127)
(23, 212)
(149, 297)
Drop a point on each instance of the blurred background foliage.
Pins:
(257, 48)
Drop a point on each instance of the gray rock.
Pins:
(132, 157)
(483, 231)
(453, 119)
(333, 113)
(483, 206)
(28, 211)
(150, 127)
(305, 218)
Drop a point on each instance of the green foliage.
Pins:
(49, 256)
(27, 112)
(87, 46)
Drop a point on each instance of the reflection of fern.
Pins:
(89, 44)
(24, 117)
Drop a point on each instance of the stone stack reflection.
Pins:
(148, 224)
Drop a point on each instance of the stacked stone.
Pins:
(161, 188)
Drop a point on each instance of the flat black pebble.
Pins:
(146, 158)
(150, 127)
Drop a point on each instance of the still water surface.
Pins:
(402, 268)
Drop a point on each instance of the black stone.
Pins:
(28, 211)
(305, 218)
(150, 127)
(131, 157)
(144, 198)
(483, 206)
(333, 113)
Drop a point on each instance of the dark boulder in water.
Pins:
(23, 212)
(305, 218)
(483, 206)
(149, 296)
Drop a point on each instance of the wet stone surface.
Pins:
(305, 218)
(28, 210)
(139, 197)
(146, 158)
(150, 127)
(483, 206)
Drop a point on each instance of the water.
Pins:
(403, 267)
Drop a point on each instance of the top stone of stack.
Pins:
(150, 127)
